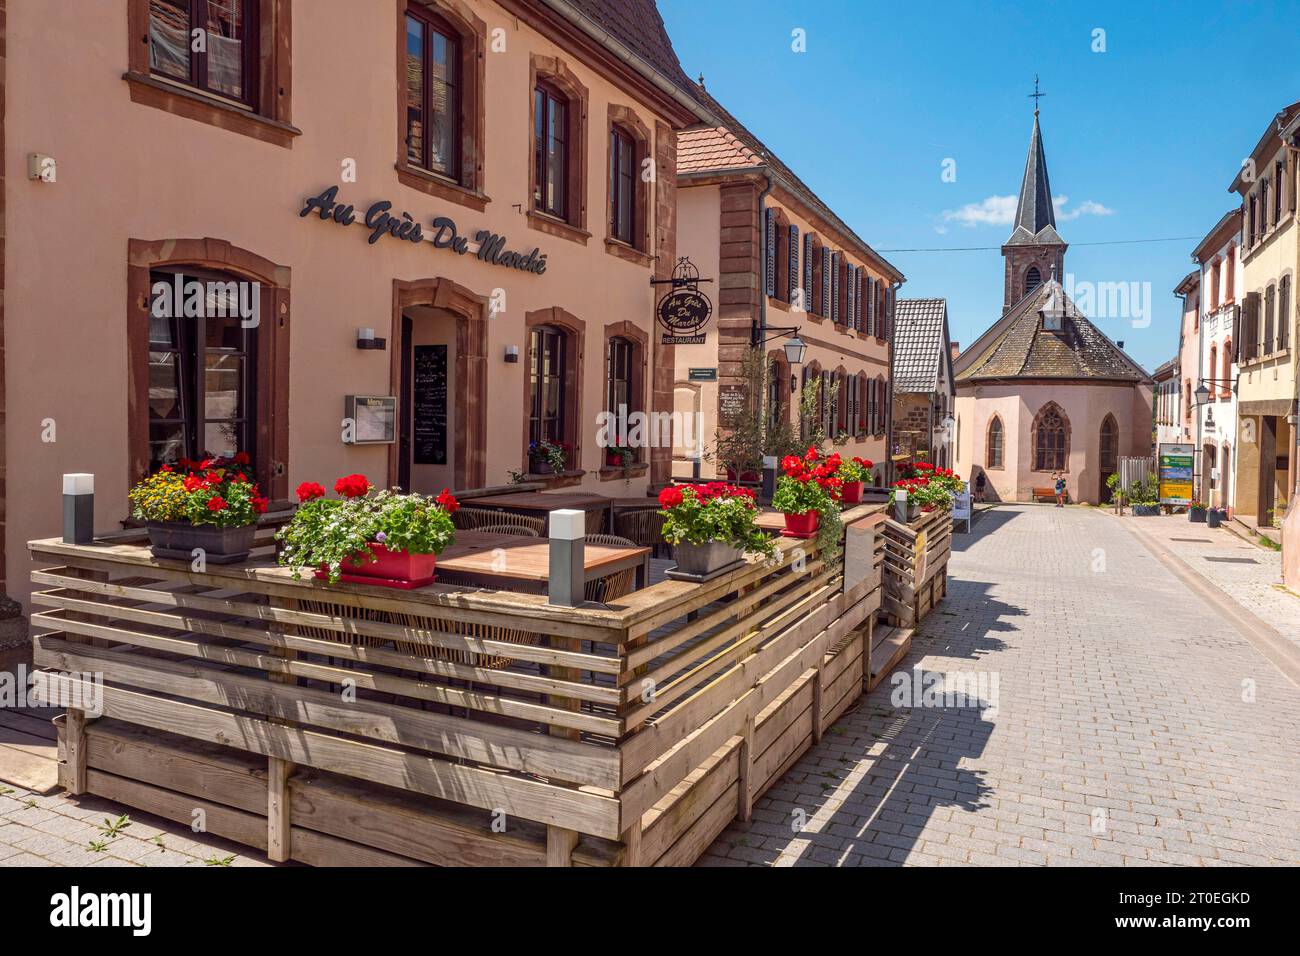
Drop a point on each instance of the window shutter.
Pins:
(835, 288)
(769, 238)
(794, 262)
(871, 406)
(871, 305)
(807, 272)
(826, 282)
(853, 298)
(889, 314)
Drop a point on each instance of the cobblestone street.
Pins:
(1118, 733)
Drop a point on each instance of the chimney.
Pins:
(955, 349)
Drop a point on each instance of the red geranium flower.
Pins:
(241, 458)
(309, 490)
(193, 483)
(216, 503)
(259, 505)
(352, 486)
(670, 497)
(447, 502)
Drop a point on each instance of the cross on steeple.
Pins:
(1036, 96)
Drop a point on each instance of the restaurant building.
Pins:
(784, 265)
(403, 238)
(1264, 344)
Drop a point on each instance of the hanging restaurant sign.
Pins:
(684, 310)
(486, 245)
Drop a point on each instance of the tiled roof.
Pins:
(638, 26)
(1024, 349)
(920, 338)
(706, 148)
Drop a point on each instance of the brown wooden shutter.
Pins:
(793, 263)
(807, 272)
(835, 288)
(770, 258)
(826, 282)
(853, 297)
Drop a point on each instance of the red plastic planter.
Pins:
(393, 569)
(802, 526)
(750, 476)
(851, 492)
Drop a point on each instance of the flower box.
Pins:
(802, 526)
(1196, 515)
(390, 569)
(851, 492)
(540, 466)
(1215, 517)
(180, 539)
(702, 561)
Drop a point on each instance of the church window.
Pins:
(1033, 279)
(1050, 439)
(994, 457)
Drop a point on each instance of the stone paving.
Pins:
(1129, 725)
(1251, 575)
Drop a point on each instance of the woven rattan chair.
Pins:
(475, 519)
(613, 586)
(643, 526)
(514, 529)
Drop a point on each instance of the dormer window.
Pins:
(1053, 312)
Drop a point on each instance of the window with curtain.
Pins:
(619, 377)
(622, 186)
(226, 66)
(550, 151)
(546, 384)
(202, 376)
(432, 93)
(993, 457)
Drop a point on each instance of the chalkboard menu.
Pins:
(732, 402)
(429, 405)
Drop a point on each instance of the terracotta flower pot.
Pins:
(802, 526)
(391, 569)
(851, 492)
(179, 539)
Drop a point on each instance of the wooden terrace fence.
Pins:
(353, 724)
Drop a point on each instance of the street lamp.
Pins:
(795, 349)
(1202, 392)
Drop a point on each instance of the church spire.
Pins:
(1035, 249)
(1034, 208)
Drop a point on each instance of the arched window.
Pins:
(1108, 459)
(202, 370)
(1033, 279)
(432, 93)
(1050, 439)
(546, 384)
(993, 447)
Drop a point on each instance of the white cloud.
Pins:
(1001, 211)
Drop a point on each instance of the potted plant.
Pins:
(547, 457)
(211, 506)
(1143, 494)
(854, 472)
(711, 526)
(1214, 517)
(1196, 512)
(807, 491)
(619, 456)
(367, 537)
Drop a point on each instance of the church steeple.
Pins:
(1035, 250)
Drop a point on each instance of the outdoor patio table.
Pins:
(519, 562)
(532, 502)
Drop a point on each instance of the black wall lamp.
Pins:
(795, 349)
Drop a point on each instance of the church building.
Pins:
(1043, 390)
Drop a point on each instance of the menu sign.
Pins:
(732, 402)
(429, 405)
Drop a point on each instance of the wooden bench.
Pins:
(1048, 493)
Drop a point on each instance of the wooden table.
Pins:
(527, 560)
(536, 501)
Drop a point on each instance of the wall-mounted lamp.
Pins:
(512, 354)
(366, 340)
(794, 384)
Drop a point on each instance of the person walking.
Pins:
(1060, 490)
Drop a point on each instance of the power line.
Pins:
(1109, 242)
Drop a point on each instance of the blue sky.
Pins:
(1142, 139)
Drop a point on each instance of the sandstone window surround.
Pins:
(460, 178)
(163, 74)
(557, 167)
